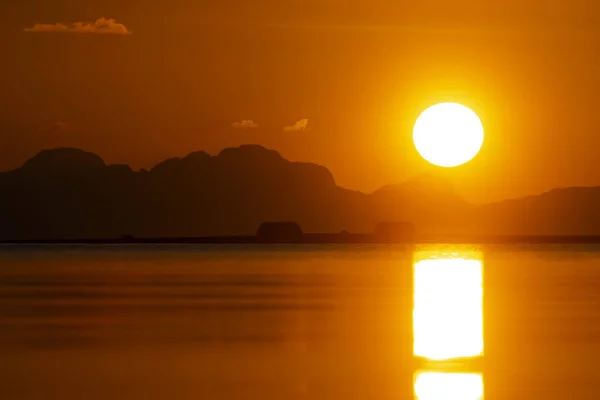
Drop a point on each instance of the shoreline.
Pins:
(332, 239)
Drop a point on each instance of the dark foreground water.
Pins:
(299, 322)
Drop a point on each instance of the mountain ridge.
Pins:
(69, 193)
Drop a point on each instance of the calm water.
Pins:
(299, 322)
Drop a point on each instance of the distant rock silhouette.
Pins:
(72, 194)
(127, 238)
(394, 231)
(285, 232)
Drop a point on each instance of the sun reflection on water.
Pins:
(448, 386)
(448, 324)
(448, 306)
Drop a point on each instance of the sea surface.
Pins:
(299, 322)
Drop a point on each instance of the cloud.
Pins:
(102, 25)
(245, 124)
(55, 127)
(301, 125)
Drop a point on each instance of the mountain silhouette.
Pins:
(72, 194)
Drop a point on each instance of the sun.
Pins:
(448, 134)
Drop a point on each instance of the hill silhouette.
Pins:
(72, 194)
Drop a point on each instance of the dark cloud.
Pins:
(102, 26)
(56, 126)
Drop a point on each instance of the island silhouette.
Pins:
(68, 194)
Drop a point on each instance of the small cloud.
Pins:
(102, 25)
(55, 127)
(245, 124)
(301, 125)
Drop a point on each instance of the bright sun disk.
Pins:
(448, 134)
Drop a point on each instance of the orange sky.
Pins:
(360, 73)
